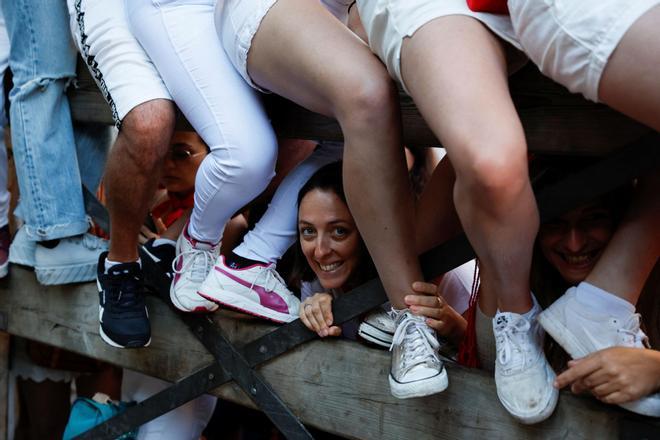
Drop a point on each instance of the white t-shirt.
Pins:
(338, 8)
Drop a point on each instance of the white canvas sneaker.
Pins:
(22, 249)
(580, 332)
(523, 376)
(257, 290)
(416, 368)
(192, 264)
(72, 260)
(378, 328)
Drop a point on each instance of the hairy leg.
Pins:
(461, 89)
(132, 173)
(329, 70)
(630, 80)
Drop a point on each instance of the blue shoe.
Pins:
(87, 413)
(123, 316)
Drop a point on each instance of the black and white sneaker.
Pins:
(123, 316)
(162, 254)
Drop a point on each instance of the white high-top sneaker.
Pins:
(416, 369)
(581, 331)
(523, 376)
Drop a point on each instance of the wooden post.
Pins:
(4, 383)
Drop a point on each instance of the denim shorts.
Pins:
(388, 22)
(572, 41)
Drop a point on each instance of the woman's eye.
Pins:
(341, 232)
(306, 231)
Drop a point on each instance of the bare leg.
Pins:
(330, 70)
(132, 173)
(460, 86)
(436, 216)
(630, 79)
(634, 248)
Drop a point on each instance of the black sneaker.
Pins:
(163, 255)
(123, 316)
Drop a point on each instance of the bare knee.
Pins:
(146, 132)
(368, 102)
(496, 172)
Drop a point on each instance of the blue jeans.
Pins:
(43, 60)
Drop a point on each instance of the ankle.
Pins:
(236, 261)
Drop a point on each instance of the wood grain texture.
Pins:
(555, 121)
(336, 385)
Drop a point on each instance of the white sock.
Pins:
(599, 300)
(109, 263)
(160, 241)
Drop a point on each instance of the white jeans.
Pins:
(183, 423)
(180, 38)
(277, 229)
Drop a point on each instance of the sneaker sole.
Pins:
(535, 418)
(420, 388)
(75, 273)
(239, 303)
(177, 304)
(562, 335)
(374, 335)
(646, 406)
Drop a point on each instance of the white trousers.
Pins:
(183, 423)
(180, 38)
(277, 229)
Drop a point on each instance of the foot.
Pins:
(123, 316)
(4, 251)
(22, 249)
(162, 254)
(416, 369)
(378, 328)
(523, 376)
(71, 260)
(258, 290)
(193, 262)
(581, 331)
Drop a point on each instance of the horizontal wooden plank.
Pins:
(336, 385)
(555, 121)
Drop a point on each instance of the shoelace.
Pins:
(509, 343)
(420, 344)
(631, 335)
(198, 269)
(130, 290)
(271, 280)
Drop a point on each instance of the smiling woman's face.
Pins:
(329, 238)
(574, 243)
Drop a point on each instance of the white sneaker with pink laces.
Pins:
(257, 290)
(193, 262)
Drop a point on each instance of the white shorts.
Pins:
(388, 22)
(121, 69)
(237, 21)
(571, 41)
